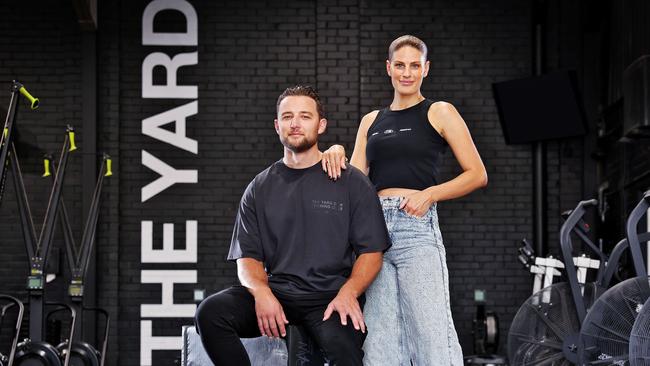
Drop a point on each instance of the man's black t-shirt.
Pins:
(307, 229)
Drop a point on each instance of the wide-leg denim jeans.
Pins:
(407, 307)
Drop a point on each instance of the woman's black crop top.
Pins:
(403, 149)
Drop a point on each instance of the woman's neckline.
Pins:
(407, 108)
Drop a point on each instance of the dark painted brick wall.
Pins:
(248, 53)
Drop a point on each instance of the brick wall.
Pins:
(248, 52)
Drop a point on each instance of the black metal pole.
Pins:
(539, 148)
(19, 321)
(7, 131)
(6, 134)
(89, 163)
(35, 263)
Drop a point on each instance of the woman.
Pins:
(407, 309)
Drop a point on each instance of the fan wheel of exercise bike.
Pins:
(545, 330)
(81, 354)
(640, 338)
(605, 333)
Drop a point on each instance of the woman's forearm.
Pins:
(464, 184)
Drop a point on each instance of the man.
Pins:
(295, 241)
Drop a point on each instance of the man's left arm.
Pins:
(346, 302)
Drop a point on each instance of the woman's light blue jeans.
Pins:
(407, 307)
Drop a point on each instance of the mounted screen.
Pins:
(540, 108)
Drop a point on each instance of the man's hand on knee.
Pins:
(346, 304)
(270, 316)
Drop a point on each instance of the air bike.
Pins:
(608, 326)
(82, 353)
(569, 323)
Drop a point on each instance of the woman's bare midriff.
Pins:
(396, 192)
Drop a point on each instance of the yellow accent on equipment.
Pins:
(46, 167)
(73, 147)
(109, 171)
(33, 101)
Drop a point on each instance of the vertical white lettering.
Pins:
(149, 343)
(149, 37)
(170, 89)
(167, 279)
(168, 254)
(178, 138)
(168, 176)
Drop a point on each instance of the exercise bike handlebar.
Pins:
(591, 202)
(569, 225)
(572, 220)
(615, 257)
(567, 253)
(637, 213)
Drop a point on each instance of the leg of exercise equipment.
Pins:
(19, 320)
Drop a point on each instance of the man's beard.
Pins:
(303, 144)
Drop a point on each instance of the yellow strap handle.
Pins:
(33, 101)
(46, 167)
(109, 167)
(6, 132)
(73, 147)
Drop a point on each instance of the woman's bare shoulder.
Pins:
(441, 107)
(368, 119)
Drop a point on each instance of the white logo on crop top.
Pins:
(327, 206)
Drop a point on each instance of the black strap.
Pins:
(377, 117)
(425, 108)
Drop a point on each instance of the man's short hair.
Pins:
(407, 40)
(302, 90)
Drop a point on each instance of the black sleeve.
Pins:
(246, 241)
(368, 231)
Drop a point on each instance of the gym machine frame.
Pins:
(37, 250)
(78, 264)
(571, 344)
(19, 320)
(6, 141)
